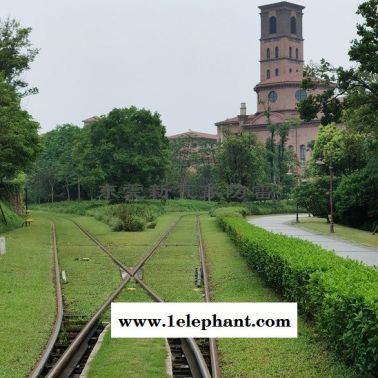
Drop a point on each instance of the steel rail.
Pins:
(197, 363)
(62, 368)
(59, 306)
(215, 369)
(67, 361)
(193, 354)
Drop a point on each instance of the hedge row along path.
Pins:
(278, 224)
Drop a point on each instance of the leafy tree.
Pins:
(240, 160)
(16, 53)
(19, 142)
(343, 148)
(356, 200)
(130, 146)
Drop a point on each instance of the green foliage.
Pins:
(356, 201)
(313, 195)
(231, 211)
(19, 142)
(130, 146)
(344, 149)
(340, 295)
(127, 217)
(16, 53)
(12, 220)
(240, 160)
(72, 207)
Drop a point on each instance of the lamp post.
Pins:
(321, 162)
(297, 207)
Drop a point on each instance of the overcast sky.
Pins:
(193, 61)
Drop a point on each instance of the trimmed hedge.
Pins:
(339, 295)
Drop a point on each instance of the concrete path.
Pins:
(279, 224)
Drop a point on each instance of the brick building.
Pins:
(281, 74)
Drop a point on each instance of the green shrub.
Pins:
(236, 211)
(339, 295)
(12, 219)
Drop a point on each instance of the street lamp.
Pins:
(321, 162)
(297, 177)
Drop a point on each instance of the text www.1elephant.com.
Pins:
(226, 320)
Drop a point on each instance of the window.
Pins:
(267, 53)
(300, 95)
(277, 52)
(290, 70)
(277, 71)
(296, 54)
(268, 74)
(302, 152)
(293, 25)
(272, 25)
(290, 52)
(272, 97)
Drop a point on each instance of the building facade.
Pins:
(281, 74)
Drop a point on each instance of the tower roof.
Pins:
(282, 4)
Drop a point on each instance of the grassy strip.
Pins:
(134, 358)
(128, 247)
(90, 281)
(342, 232)
(27, 298)
(340, 295)
(233, 281)
(171, 272)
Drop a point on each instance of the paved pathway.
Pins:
(279, 224)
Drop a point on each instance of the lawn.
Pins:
(342, 232)
(233, 281)
(140, 358)
(27, 298)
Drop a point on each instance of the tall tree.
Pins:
(131, 146)
(16, 54)
(240, 160)
(19, 142)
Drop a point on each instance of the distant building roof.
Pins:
(90, 120)
(196, 135)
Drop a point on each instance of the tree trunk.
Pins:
(78, 190)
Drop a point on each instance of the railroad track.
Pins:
(64, 365)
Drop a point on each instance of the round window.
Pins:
(272, 96)
(300, 95)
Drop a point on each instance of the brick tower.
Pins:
(281, 57)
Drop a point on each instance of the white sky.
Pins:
(193, 61)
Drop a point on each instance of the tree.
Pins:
(16, 54)
(356, 200)
(19, 141)
(240, 160)
(130, 146)
(345, 149)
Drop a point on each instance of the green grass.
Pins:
(27, 298)
(171, 271)
(89, 282)
(232, 281)
(128, 247)
(342, 232)
(134, 358)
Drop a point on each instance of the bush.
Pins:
(339, 295)
(12, 219)
(235, 211)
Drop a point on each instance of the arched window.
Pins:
(302, 152)
(268, 74)
(293, 25)
(290, 52)
(267, 53)
(277, 52)
(296, 54)
(277, 71)
(272, 25)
